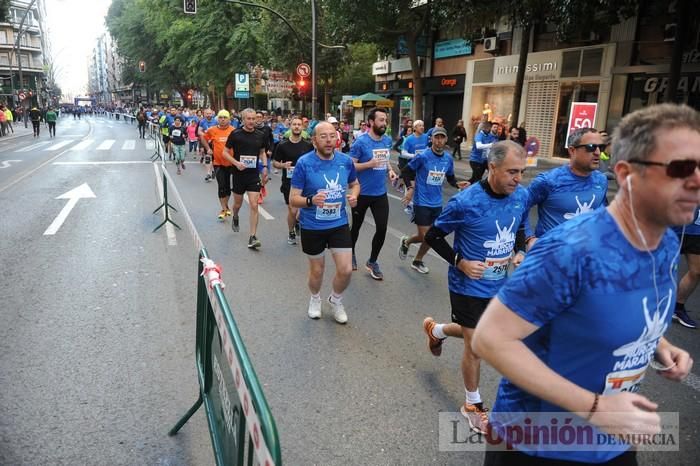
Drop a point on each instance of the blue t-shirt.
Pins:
(485, 225)
(311, 175)
(431, 170)
(561, 195)
(364, 149)
(481, 155)
(599, 315)
(205, 124)
(692, 228)
(414, 145)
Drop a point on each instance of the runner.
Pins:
(51, 118)
(178, 140)
(574, 330)
(323, 182)
(573, 189)
(478, 158)
(371, 152)
(217, 136)
(285, 157)
(249, 150)
(690, 247)
(424, 176)
(205, 123)
(488, 219)
(414, 145)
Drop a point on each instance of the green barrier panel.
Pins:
(241, 425)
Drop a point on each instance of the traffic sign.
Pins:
(303, 70)
(22, 95)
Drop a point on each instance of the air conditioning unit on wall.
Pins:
(490, 44)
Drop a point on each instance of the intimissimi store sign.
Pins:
(541, 66)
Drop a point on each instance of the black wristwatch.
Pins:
(309, 201)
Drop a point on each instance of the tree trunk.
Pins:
(520, 77)
(411, 45)
(674, 74)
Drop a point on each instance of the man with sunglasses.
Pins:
(573, 189)
(574, 331)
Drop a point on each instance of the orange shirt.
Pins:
(217, 137)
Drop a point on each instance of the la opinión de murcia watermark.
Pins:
(551, 431)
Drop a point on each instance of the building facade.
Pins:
(23, 46)
(105, 84)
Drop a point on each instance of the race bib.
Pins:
(624, 381)
(290, 172)
(419, 152)
(435, 178)
(329, 211)
(383, 156)
(496, 268)
(177, 133)
(250, 161)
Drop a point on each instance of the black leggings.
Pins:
(380, 211)
(35, 126)
(478, 170)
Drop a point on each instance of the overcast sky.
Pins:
(73, 28)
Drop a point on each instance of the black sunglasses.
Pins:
(674, 168)
(592, 147)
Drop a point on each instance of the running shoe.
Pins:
(434, 343)
(183, 164)
(354, 262)
(338, 311)
(253, 242)
(403, 248)
(222, 214)
(419, 267)
(207, 178)
(477, 417)
(234, 223)
(682, 317)
(373, 269)
(292, 239)
(314, 308)
(228, 213)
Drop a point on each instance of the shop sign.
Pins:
(380, 67)
(684, 84)
(541, 66)
(447, 82)
(582, 116)
(452, 48)
(402, 64)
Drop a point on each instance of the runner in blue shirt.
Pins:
(574, 330)
(690, 247)
(205, 123)
(439, 123)
(573, 189)
(414, 145)
(371, 152)
(478, 158)
(488, 219)
(424, 177)
(323, 181)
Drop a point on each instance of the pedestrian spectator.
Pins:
(51, 118)
(459, 134)
(3, 121)
(514, 135)
(9, 118)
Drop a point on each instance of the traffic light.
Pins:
(302, 86)
(190, 6)
(142, 66)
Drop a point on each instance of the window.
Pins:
(5, 59)
(3, 37)
(24, 60)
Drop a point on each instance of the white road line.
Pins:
(129, 144)
(262, 211)
(82, 145)
(169, 229)
(394, 196)
(33, 146)
(693, 381)
(59, 145)
(106, 145)
(105, 162)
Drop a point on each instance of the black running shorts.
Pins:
(425, 216)
(284, 189)
(691, 244)
(467, 310)
(244, 182)
(314, 242)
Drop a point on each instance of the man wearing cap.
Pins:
(217, 136)
(424, 175)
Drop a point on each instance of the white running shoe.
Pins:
(315, 308)
(338, 311)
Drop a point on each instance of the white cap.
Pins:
(332, 120)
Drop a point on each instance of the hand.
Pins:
(518, 259)
(392, 175)
(352, 200)
(287, 165)
(239, 165)
(463, 184)
(472, 269)
(626, 413)
(265, 178)
(678, 361)
(375, 163)
(319, 199)
(408, 197)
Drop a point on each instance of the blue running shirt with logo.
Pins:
(600, 317)
(431, 170)
(484, 226)
(364, 149)
(415, 145)
(561, 195)
(205, 124)
(481, 155)
(312, 175)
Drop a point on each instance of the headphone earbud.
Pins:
(629, 183)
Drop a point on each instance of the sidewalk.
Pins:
(20, 131)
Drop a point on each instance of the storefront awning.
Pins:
(371, 99)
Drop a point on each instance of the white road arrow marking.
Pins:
(74, 195)
(7, 163)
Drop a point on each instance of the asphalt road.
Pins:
(97, 325)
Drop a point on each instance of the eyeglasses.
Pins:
(674, 168)
(592, 147)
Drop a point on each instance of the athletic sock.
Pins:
(439, 331)
(473, 397)
(316, 296)
(335, 298)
